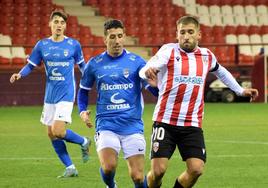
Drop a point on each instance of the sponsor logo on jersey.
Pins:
(53, 47)
(70, 41)
(132, 58)
(56, 75)
(116, 101)
(114, 75)
(98, 59)
(54, 64)
(108, 87)
(56, 55)
(117, 106)
(196, 80)
(109, 67)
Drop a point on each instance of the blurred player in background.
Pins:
(59, 54)
(181, 71)
(119, 106)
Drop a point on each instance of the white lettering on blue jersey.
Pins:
(119, 99)
(59, 59)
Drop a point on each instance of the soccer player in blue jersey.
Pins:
(119, 105)
(59, 55)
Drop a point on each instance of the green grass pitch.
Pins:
(236, 139)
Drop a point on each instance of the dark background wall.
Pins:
(30, 90)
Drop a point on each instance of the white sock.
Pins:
(85, 142)
(71, 166)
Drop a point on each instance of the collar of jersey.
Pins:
(117, 57)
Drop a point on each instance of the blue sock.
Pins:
(142, 184)
(145, 182)
(108, 178)
(73, 137)
(60, 149)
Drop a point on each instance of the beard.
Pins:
(188, 47)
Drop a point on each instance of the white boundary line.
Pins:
(95, 158)
(237, 142)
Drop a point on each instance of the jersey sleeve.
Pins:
(78, 56)
(161, 58)
(35, 57)
(158, 61)
(88, 78)
(214, 63)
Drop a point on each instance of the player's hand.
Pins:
(15, 77)
(152, 83)
(151, 74)
(85, 118)
(252, 93)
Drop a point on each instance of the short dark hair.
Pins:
(58, 12)
(113, 23)
(189, 19)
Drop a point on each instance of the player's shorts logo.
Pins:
(155, 146)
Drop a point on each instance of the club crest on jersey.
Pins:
(65, 52)
(178, 58)
(126, 73)
(205, 59)
(155, 146)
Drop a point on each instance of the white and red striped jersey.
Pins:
(181, 82)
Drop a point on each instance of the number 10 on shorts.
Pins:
(158, 133)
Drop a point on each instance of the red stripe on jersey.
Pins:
(181, 89)
(163, 103)
(199, 72)
(201, 107)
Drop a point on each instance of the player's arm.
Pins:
(86, 82)
(155, 64)
(33, 60)
(152, 89)
(79, 57)
(82, 101)
(26, 70)
(82, 66)
(226, 77)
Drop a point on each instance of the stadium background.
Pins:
(235, 30)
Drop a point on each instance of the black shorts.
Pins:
(189, 140)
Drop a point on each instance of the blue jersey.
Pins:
(59, 59)
(119, 98)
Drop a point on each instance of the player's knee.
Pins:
(58, 133)
(108, 168)
(50, 135)
(137, 177)
(159, 171)
(196, 171)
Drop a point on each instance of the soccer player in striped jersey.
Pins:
(181, 70)
(119, 125)
(59, 55)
